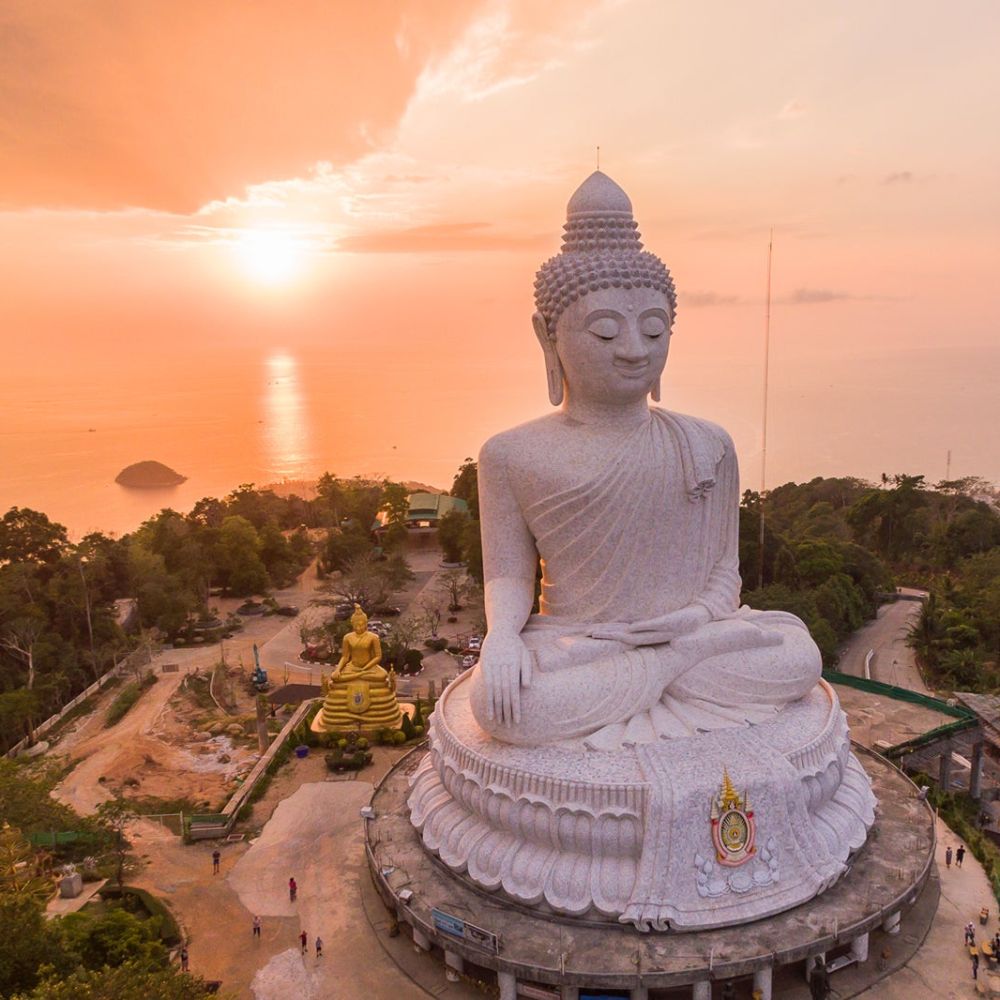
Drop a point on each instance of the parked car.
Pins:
(288, 610)
(387, 611)
(475, 643)
(469, 661)
(342, 612)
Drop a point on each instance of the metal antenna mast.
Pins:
(763, 439)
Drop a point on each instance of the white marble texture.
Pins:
(576, 765)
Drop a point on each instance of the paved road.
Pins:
(892, 661)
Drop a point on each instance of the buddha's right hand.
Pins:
(505, 662)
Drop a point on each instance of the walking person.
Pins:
(970, 934)
(184, 959)
(947, 857)
(256, 926)
(319, 946)
(216, 858)
(975, 966)
(304, 942)
(959, 855)
(819, 981)
(293, 890)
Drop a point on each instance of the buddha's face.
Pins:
(613, 343)
(360, 625)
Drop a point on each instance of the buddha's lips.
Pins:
(632, 371)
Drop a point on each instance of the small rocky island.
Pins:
(149, 475)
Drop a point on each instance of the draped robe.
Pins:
(653, 532)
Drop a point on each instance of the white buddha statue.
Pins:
(633, 511)
(590, 763)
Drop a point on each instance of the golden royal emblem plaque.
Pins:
(733, 827)
(359, 697)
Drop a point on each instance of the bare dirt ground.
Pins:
(163, 749)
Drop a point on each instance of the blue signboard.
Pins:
(449, 924)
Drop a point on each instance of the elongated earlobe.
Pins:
(553, 367)
(655, 391)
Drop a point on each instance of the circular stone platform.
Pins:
(885, 877)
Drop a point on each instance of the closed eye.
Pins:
(653, 326)
(604, 327)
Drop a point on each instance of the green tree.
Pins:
(114, 817)
(29, 536)
(472, 551)
(395, 503)
(466, 486)
(241, 569)
(18, 875)
(27, 943)
(451, 530)
(131, 981)
(111, 939)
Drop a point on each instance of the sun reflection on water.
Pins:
(286, 433)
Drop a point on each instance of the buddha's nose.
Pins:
(631, 345)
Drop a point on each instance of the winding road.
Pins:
(892, 661)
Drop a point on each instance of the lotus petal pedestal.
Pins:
(713, 830)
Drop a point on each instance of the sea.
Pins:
(263, 417)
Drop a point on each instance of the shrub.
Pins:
(399, 737)
(407, 727)
(124, 700)
(337, 760)
(437, 644)
(133, 898)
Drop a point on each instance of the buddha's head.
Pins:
(605, 307)
(359, 620)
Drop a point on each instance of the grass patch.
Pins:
(126, 698)
(196, 689)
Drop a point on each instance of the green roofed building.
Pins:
(426, 509)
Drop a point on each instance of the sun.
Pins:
(270, 256)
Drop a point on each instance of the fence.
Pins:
(137, 658)
(213, 825)
(900, 694)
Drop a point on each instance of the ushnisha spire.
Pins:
(601, 249)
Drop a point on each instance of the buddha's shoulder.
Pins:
(699, 428)
(517, 443)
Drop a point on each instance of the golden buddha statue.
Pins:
(360, 694)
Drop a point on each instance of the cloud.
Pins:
(811, 296)
(818, 296)
(701, 300)
(793, 109)
(454, 236)
(123, 104)
(898, 177)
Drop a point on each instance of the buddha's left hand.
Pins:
(654, 631)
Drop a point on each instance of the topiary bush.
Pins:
(341, 760)
(407, 727)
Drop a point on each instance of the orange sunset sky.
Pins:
(375, 184)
